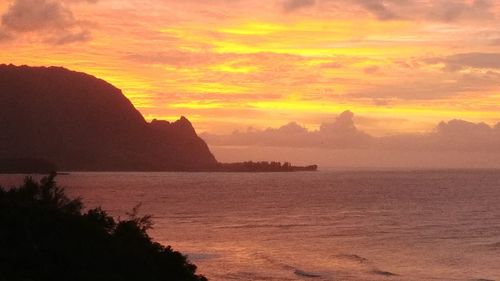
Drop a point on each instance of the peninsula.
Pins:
(78, 122)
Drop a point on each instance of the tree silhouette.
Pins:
(44, 235)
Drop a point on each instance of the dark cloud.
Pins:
(344, 124)
(442, 10)
(292, 5)
(380, 102)
(69, 38)
(4, 35)
(465, 60)
(455, 135)
(341, 133)
(378, 8)
(432, 87)
(460, 128)
(50, 19)
(34, 15)
(452, 10)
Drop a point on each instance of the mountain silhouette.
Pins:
(80, 122)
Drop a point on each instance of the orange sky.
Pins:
(401, 66)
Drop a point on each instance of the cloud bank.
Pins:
(441, 11)
(469, 60)
(292, 5)
(51, 20)
(339, 144)
(342, 133)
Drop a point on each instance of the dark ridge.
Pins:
(79, 122)
(47, 236)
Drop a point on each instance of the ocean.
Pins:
(326, 225)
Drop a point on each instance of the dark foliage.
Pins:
(44, 235)
(263, 166)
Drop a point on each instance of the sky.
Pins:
(400, 66)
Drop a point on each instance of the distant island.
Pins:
(77, 122)
(263, 166)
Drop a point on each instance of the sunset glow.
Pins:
(237, 140)
(229, 65)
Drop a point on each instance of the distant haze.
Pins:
(339, 143)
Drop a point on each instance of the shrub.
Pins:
(46, 236)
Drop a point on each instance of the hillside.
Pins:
(79, 122)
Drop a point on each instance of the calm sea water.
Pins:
(349, 225)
